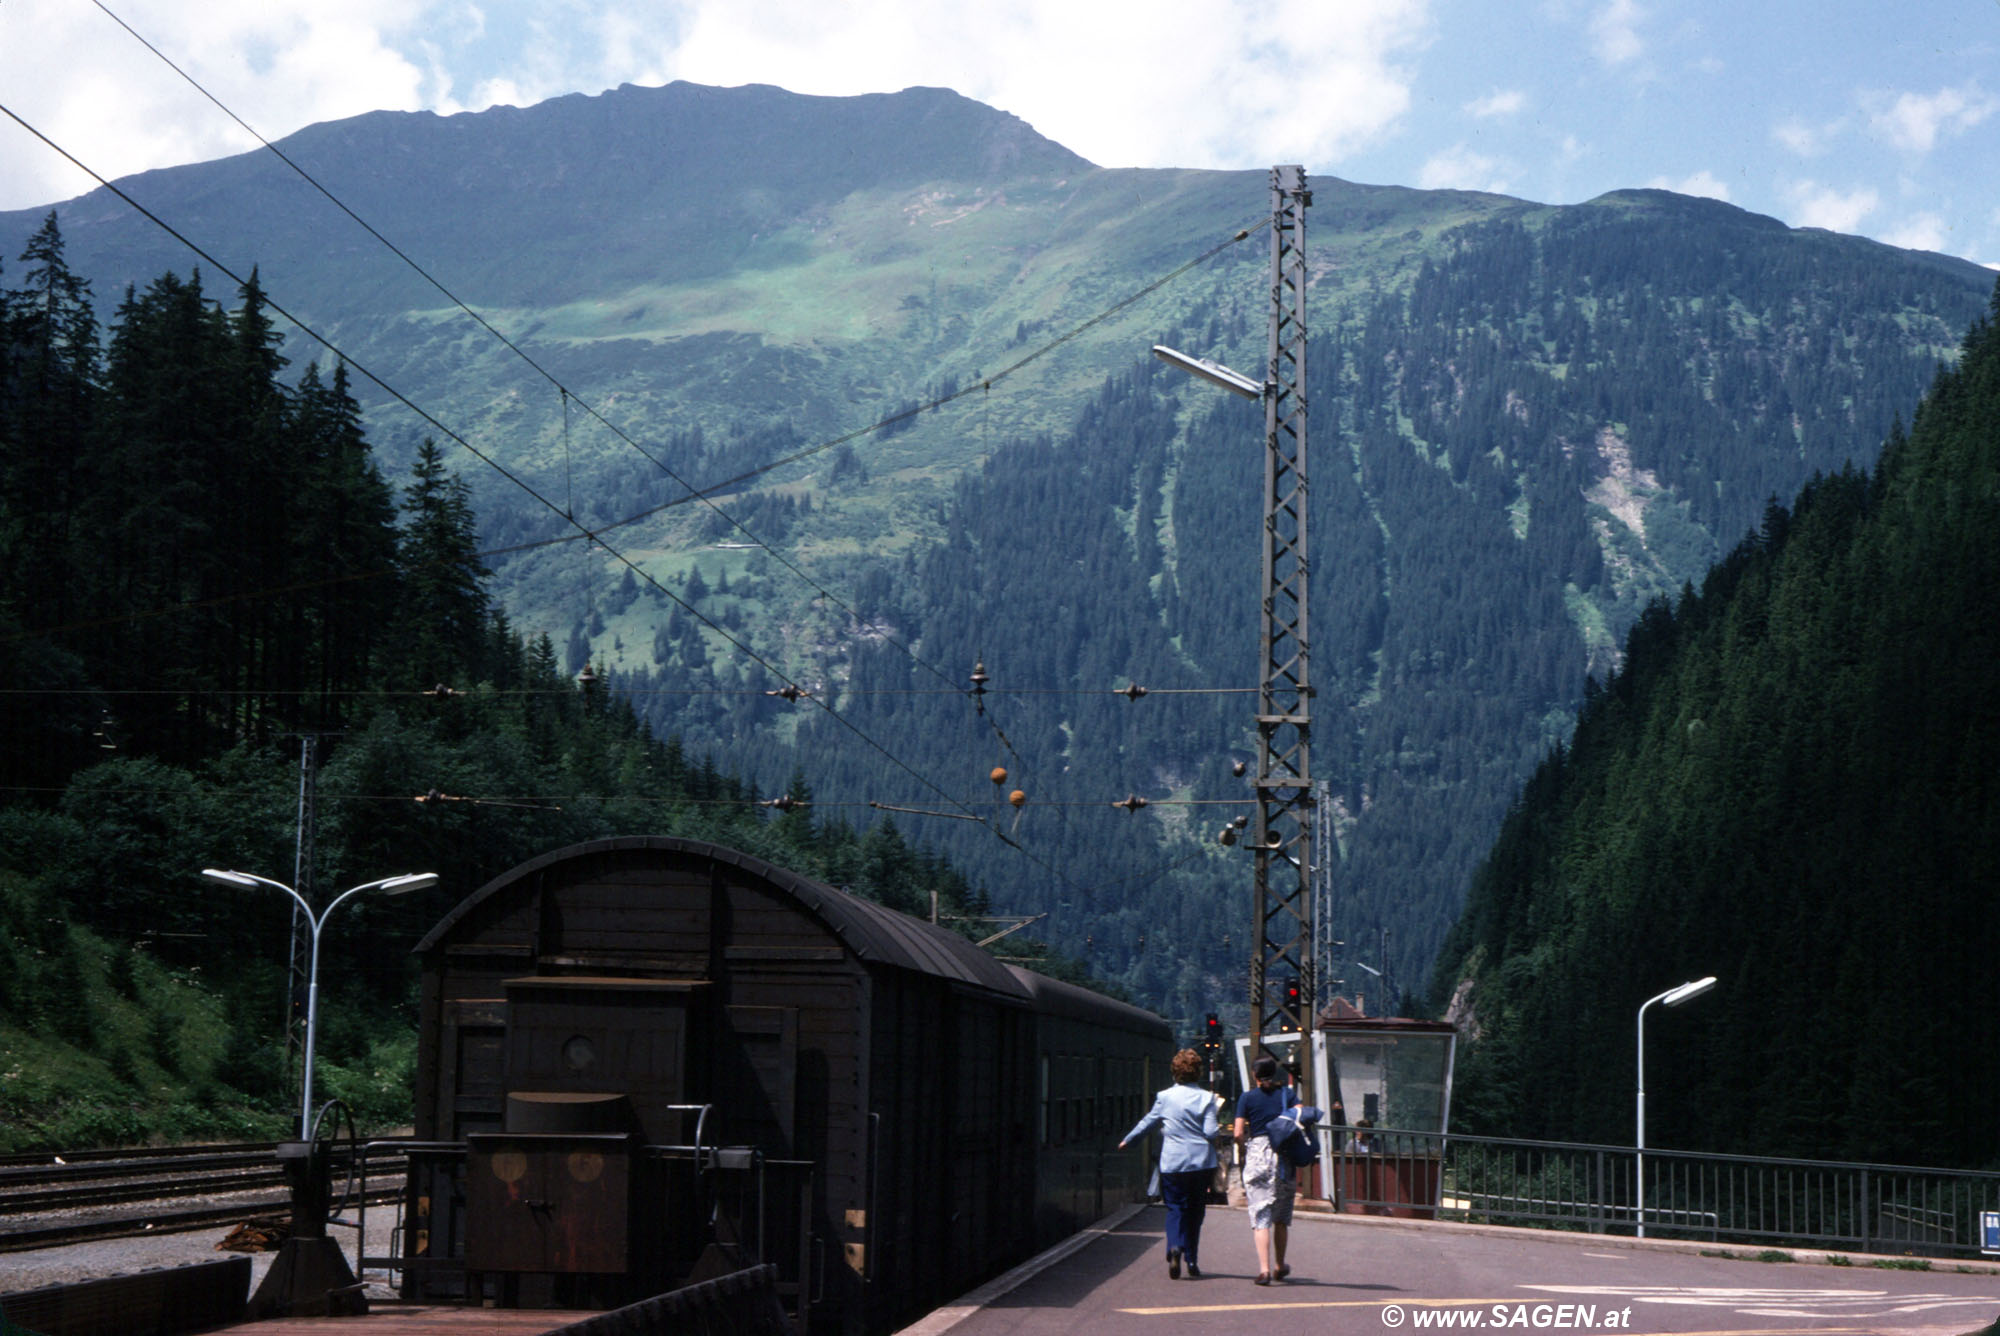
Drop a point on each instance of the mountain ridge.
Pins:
(1471, 353)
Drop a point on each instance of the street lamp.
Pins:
(1673, 997)
(1213, 372)
(415, 881)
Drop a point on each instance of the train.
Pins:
(646, 1060)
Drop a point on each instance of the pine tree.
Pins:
(444, 607)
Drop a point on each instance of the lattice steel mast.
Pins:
(1282, 843)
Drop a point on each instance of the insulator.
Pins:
(1272, 839)
(789, 691)
(1227, 835)
(1132, 803)
(784, 803)
(587, 677)
(979, 678)
(440, 691)
(1017, 797)
(1237, 768)
(1133, 692)
(999, 775)
(1242, 821)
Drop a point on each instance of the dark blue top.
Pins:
(1257, 1108)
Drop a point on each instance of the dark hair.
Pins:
(1265, 1069)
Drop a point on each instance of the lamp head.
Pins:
(1688, 991)
(236, 879)
(1213, 372)
(414, 881)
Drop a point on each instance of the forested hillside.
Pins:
(1792, 783)
(1527, 421)
(1564, 414)
(200, 567)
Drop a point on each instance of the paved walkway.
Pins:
(1371, 1275)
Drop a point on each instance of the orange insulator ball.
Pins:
(999, 775)
(1017, 797)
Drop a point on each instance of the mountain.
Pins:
(1528, 422)
(1789, 785)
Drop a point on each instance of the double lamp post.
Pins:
(416, 881)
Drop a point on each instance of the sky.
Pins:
(1853, 115)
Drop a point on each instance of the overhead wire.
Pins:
(748, 652)
(984, 384)
(704, 494)
(583, 531)
(693, 493)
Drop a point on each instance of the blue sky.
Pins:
(1848, 114)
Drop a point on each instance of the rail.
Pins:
(1739, 1198)
(69, 1197)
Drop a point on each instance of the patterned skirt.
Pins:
(1267, 1184)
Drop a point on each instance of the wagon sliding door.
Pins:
(609, 1034)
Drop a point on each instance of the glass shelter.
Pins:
(1380, 1151)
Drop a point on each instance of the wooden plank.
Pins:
(391, 1319)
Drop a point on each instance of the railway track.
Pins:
(48, 1200)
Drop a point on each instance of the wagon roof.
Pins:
(874, 933)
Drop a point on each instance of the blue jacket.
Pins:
(1187, 1113)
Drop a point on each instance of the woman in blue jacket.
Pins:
(1187, 1113)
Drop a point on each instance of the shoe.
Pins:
(1194, 1272)
(1263, 1278)
(1282, 1271)
(1173, 1263)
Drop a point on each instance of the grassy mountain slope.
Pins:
(1527, 421)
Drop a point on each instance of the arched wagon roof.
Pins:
(874, 933)
(1053, 997)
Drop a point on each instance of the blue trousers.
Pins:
(1186, 1196)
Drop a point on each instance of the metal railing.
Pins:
(1866, 1208)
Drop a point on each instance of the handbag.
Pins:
(1288, 1136)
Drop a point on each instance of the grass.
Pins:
(141, 1066)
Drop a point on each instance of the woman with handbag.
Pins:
(1186, 1114)
(1267, 1174)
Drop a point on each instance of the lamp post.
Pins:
(401, 885)
(1673, 997)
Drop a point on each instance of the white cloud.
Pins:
(1460, 168)
(1807, 141)
(1702, 183)
(1816, 205)
(1181, 83)
(1194, 83)
(1614, 32)
(1915, 122)
(1920, 231)
(1501, 102)
(71, 72)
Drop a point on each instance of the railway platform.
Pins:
(1376, 1276)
